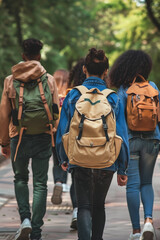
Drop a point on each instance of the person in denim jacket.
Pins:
(92, 184)
(144, 146)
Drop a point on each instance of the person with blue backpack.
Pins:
(28, 110)
(87, 143)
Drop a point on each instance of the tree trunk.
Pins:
(151, 14)
(18, 23)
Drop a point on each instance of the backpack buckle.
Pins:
(138, 98)
(91, 144)
(105, 126)
(154, 116)
(81, 126)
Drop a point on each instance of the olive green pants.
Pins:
(37, 148)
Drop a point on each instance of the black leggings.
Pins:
(91, 189)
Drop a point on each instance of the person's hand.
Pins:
(6, 151)
(122, 180)
(64, 166)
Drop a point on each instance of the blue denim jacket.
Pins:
(67, 114)
(145, 135)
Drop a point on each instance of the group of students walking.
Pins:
(91, 159)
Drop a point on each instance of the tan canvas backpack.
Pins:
(142, 106)
(92, 141)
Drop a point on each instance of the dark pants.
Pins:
(58, 174)
(91, 188)
(72, 191)
(37, 147)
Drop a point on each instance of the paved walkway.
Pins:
(57, 219)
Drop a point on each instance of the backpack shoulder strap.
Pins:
(107, 92)
(141, 77)
(82, 89)
(21, 91)
(44, 99)
(50, 118)
(44, 77)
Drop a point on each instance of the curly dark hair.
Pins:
(76, 75)
(128, 66)
(96, 62)
(31, 47)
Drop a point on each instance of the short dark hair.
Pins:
(76, 75)
(96, 62)
(31, 47)
(127, 66)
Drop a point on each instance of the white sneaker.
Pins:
(74, 219)
(135, 236)
(66, 187)
(148, 232)
(24, 230)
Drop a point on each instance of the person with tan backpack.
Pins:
(92, 142)
(140, 98)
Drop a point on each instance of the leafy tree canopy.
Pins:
(68, 28)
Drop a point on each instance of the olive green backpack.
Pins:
(32, 108)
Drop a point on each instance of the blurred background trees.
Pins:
(68, 28)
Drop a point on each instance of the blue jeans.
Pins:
(91, 188)
(37, 147)
(143, 154)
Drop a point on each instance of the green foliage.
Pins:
(68, 28)
(8, 44)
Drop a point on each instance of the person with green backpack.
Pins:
(28, 112)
